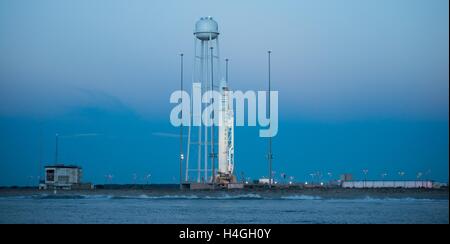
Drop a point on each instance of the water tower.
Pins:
(203, 140)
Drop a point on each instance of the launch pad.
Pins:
(211, 186)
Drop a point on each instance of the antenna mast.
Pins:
(269, 155)
(181, 125)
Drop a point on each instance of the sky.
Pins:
(362, 85)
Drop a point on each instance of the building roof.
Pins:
(62, 166)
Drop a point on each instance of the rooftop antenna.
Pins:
(269, 155)
(181, 125)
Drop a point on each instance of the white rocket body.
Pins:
(226, 133)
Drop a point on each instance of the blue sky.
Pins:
(362, 84)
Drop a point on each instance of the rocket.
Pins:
(226, 133)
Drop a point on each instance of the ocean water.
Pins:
(249, 208)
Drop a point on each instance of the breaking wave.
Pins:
(191, 197)
(155, 197)
(234, 197)
(301, 197)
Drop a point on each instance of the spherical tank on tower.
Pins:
(206, 29)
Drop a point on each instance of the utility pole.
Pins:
(365, 171)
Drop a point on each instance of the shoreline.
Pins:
(322, 193)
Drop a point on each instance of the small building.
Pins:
(265, 181)
(62, 176)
